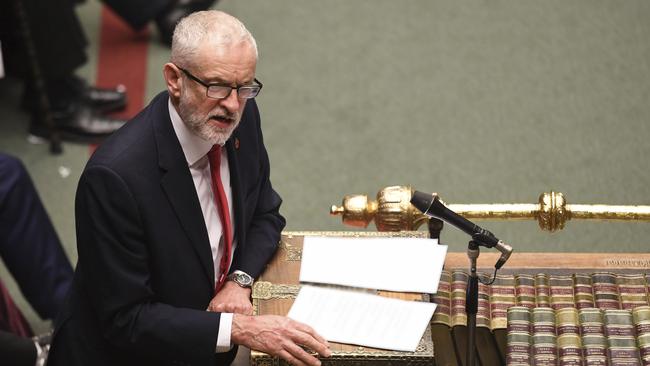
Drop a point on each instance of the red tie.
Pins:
(214, 156)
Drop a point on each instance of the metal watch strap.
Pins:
(241, 278)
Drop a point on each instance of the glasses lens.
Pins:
(218, 92)
(244, 92)
(248, 92)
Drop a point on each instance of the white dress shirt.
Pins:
(196, 150)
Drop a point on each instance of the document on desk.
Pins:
(361, 318)
(393, 264)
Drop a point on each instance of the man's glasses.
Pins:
(221, 91)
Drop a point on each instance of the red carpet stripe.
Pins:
(123, 60)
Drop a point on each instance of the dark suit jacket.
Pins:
(145, 274)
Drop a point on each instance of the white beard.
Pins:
(200, 123)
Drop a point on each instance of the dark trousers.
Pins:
(31, 250)
(58, 38)
(138, 12)
(29, 246)
(16, 348)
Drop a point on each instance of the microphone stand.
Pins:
(471, 302)
(471, 293)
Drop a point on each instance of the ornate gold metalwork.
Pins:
(263, 290)
(361, 356)
(393, 212)
(353, 234)
(294, 254)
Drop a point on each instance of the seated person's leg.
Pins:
(166, 13)
(59, 42)
(29, 246)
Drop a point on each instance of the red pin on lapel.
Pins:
(236, 143)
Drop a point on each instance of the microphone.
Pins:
(431, 206)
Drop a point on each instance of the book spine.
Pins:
(542, 291)
(502, 296)
(621, 340)
(561, 292)
(525, 290)
(605, 291)
(544, 350)
(647, 281)
(583, 290)
(569, 344)
(641, 318)
(483, 309)
(442, 315)
(458, 287)
(489, 349)
(519, 340)
(632, 290)
(594, 343)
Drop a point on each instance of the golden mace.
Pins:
(392, 211)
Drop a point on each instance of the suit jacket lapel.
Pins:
(179, 187)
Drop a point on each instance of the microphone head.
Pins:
(422, 201)
(506, 251)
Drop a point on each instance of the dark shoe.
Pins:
(105, 100)
(71, 89)
(78, 124)
(167, 20)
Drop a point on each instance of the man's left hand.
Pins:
(232, 298)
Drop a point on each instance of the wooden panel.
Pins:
(277, 287)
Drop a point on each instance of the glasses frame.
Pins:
(208, 85)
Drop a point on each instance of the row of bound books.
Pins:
(602, 290)
(572, 337)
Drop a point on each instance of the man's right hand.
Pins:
(279, 336)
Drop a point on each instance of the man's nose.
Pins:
(232, 101)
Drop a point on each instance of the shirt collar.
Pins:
(194, 147)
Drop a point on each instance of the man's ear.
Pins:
(173, 80)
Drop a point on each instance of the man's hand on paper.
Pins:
(232, 298)
(279, 336)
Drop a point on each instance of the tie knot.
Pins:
(214, 155)
(215, 150)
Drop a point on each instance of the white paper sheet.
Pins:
(393, 264)
(356, 317)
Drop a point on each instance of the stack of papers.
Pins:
(353, 315)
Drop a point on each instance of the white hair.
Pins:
(213, 26)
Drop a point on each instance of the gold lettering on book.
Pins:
(628, 263)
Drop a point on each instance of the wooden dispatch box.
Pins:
(277, 287)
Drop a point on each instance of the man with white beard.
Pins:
(176, 216)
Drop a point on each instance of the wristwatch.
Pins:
(241, 278)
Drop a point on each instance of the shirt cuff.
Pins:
(223, 338)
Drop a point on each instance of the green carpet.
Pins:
(483, 102)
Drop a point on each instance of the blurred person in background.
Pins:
(165, 13)
(78, 109)
(32, 252)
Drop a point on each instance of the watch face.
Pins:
(243, 279)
